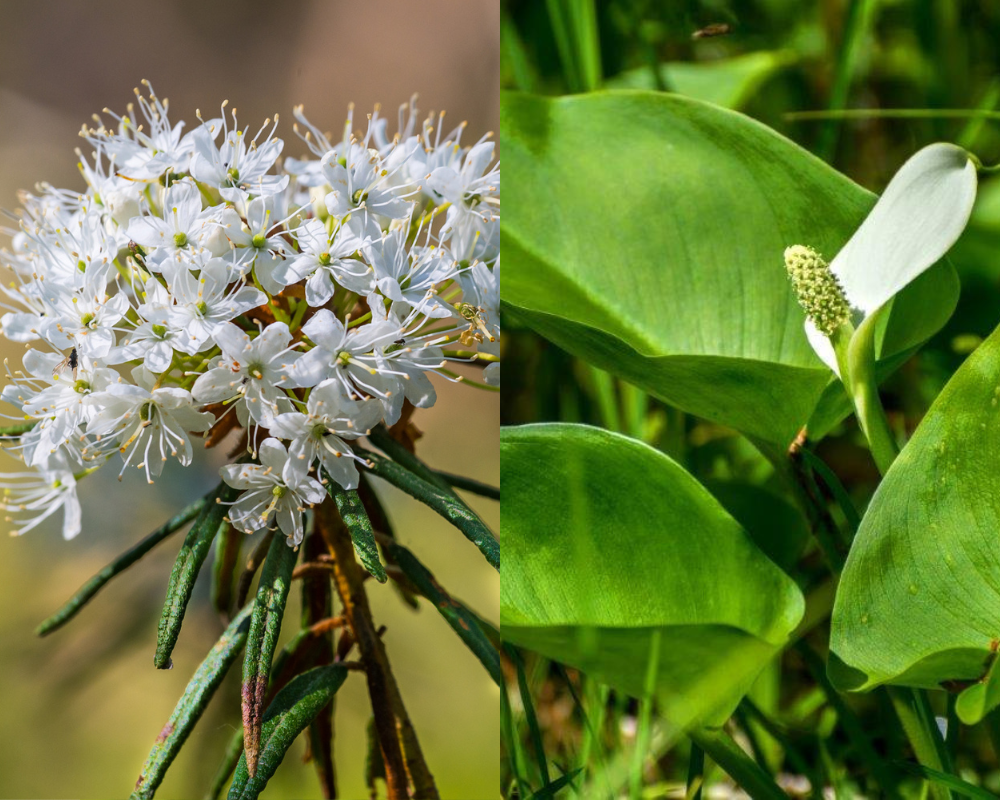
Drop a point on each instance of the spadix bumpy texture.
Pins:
(817, 289)
(197, 276)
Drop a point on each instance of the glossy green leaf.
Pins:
(609, 543)
(918, 597)
(646, 234)
(726, 82)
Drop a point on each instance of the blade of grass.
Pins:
(87, 592)
(737, 764)
(951, 782)
(860, 14)
(642, 733)
(534, 732)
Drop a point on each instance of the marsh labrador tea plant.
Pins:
(200, 287)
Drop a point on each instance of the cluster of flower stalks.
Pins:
(200, 286)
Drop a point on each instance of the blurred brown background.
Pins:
(80, 709)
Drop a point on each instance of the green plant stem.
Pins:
(642, 736)
(857, 365)
(856, 26)
(695, 773)
(917, 718)
(737, 764)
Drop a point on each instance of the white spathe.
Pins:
(919, 216)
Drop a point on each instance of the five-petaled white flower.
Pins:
(271, 491)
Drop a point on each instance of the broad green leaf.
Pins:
(776, 526)
(609, 543)
(917, 603)
(726, 82)
(646, 235)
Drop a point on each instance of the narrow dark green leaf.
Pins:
(192, 704)
(292, 710)
(382, 439)
(265, 625)
(86, 592)
(226, 767)
(253, 564)
(944, 779)
(469, 485)
(19, 429)
(534, 732)
(227, 553)
(189, 560)
(560, 783)
(352, 511)
(462, 621)
(383, 525)
(445, 504)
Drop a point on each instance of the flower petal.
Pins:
(915, 222)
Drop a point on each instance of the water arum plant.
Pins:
(296, 311)
(682, 535)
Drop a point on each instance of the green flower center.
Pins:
(145, 412)
(233, 174)
(256, 371)
(87, 319)
(324, 259)
(159, 331)
(180, 239)
(279, 491)
(81, 265)
(81, 387)
(344, 358)
(202, 307)
(259, 241)
(817, 289)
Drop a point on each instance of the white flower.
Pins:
(325, 264)
(54, 393)
(408, 277)
(148, 421)
(358, 181)
(203, 303)
(259, 243)
(234, 167)
(83, 319)
(182, 226)
(270, 489)
(921, 214)
(254, 370)
(46, 492)
(349, 356)
(331, 416)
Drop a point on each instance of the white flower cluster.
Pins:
(197, 277)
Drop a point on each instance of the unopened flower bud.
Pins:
(817, 289)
